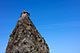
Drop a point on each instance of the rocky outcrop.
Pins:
(25, 38)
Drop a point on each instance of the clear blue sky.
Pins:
(58, 21)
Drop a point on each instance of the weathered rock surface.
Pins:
(25, 38)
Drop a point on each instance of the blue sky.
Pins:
(58, 21)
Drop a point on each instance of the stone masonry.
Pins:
(25, 38)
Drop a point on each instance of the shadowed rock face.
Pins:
(25, 38)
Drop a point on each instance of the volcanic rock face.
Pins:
(25, 38)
